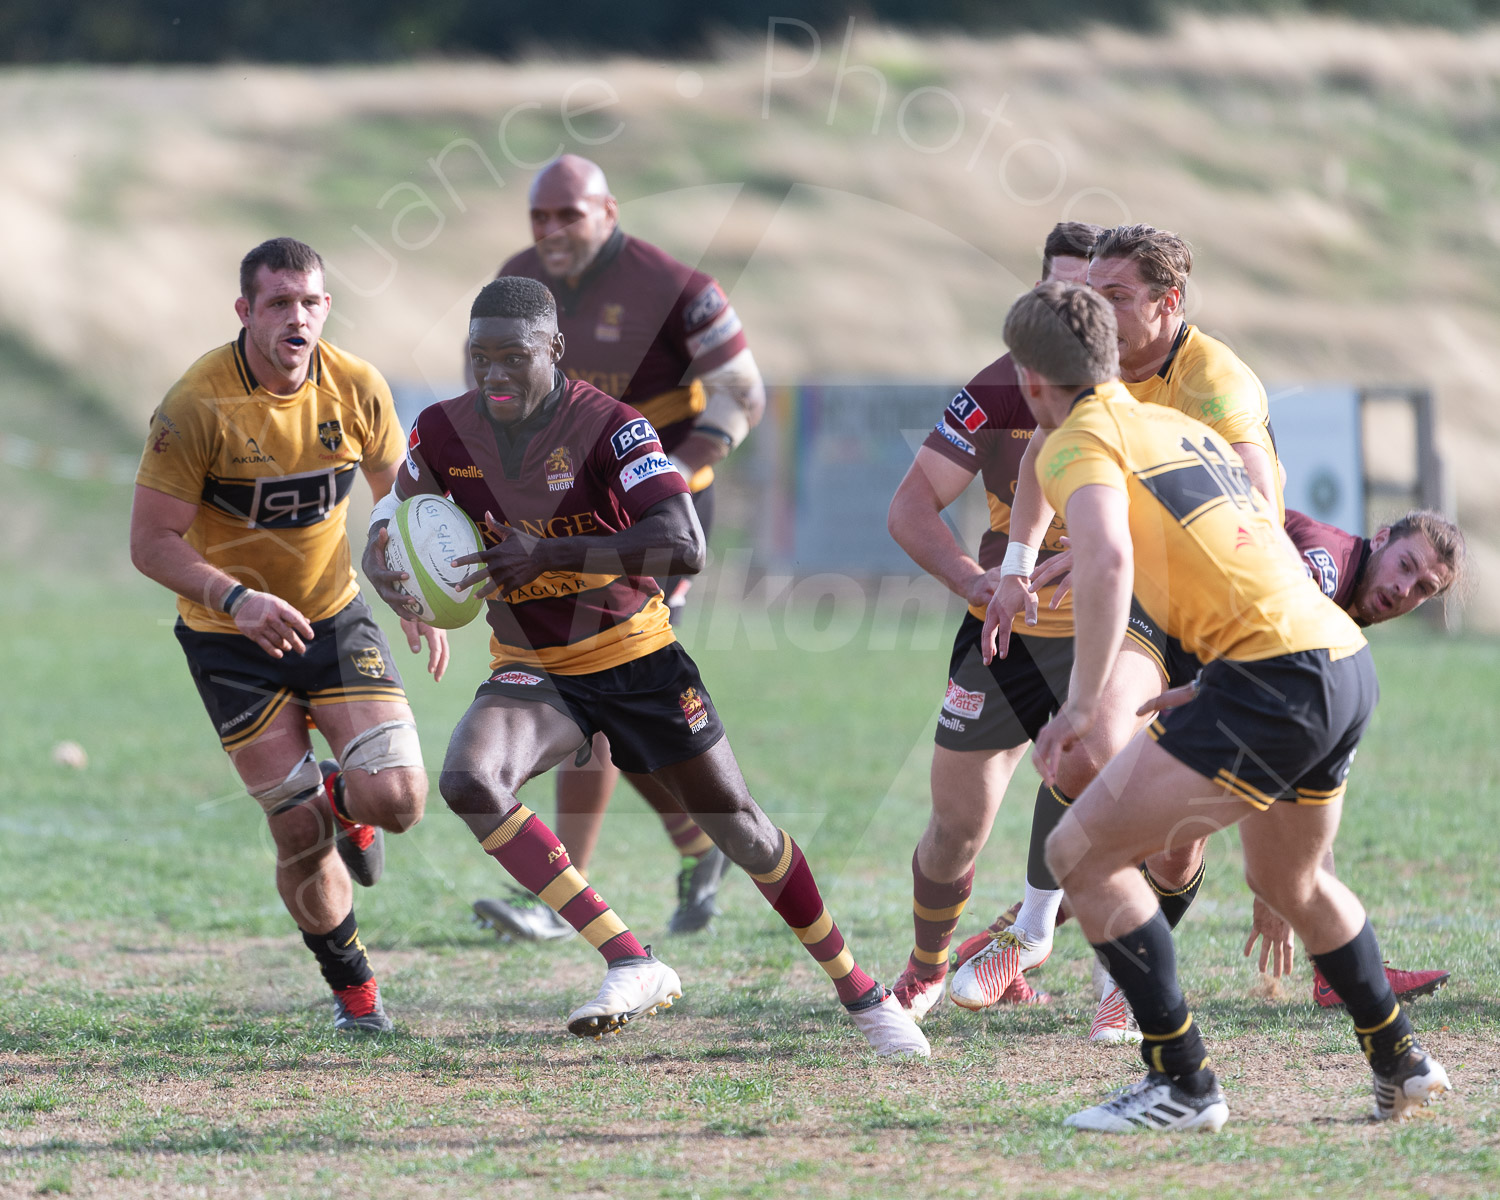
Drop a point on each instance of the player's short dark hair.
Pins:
(1163, 259)
(1066, 333)
(1445, 538)
(278, 254)
(516, 297)
(1070, 239)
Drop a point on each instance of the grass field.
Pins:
(163, 1032)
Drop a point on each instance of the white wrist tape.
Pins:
(385, 509)
(724, 416)
(1019, 560)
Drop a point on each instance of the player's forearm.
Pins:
(162, 555)
(736, 401)
(1030, 514)
(660, 544)
(920, 530)
(1102, 578)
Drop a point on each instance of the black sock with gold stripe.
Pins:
(1357, 973)
(340, 954)
(1144, 963)
(1050, 808)
(1175, 901)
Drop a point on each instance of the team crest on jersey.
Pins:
(628, 437)
(1323, 569)
(369, 662)
(608, 328)
(966, 411)
(559, 470)
(330, 434)
(694, 711)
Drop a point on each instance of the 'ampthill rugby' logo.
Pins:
(608, 328)
(330, 434)
(559, 470)
(694, 711)
(369, 662)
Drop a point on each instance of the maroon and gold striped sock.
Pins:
(525, 847)
(793, 893)
(691, 841)
(935, 908)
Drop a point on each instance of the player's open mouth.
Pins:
(295, 342)
(500, 397)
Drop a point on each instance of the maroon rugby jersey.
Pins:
(1335, 559)
(986, 428)
(582, 465)
(641, 326)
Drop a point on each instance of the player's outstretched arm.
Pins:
(160, 552)
(667, 540)
(915, 521)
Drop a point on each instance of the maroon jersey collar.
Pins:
(567, 297)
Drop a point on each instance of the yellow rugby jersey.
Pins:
(1206, 379)
(1213, 567)
(271, 474)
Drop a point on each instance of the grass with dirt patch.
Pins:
(163, 1032)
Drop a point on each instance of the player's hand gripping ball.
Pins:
(425, 535)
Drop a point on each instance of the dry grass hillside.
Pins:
(1339, 183)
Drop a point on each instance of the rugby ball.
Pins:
(424, 536)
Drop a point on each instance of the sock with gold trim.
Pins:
(790, 889)
(1144, 963)
(1385, 1033)
(687, 837)
(935, 908)
(340, 954)
(525, 847)
(1176, 901)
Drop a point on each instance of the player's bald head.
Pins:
(568, 179)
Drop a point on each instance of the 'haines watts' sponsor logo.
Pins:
(694, 711)
(646, 467)
(963, 703)
(638, 433)
(523, 678)
(966, 411)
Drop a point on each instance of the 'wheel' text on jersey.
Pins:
(1205, 379)
(582, 465)
(1213, 566)
(986, 428)
(641, 327)
(271, 474)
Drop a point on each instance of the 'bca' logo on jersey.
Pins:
(966, 411)
(330, 434)
(627, 438)
(1322, 568)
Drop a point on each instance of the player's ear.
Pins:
(1382, 536)
(242, 307)
(557, 346)
(1171, 299)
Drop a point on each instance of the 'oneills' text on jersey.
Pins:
(986, 428)
(1213, 567)
(271, 474)
(582, 465)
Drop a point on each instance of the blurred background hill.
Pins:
(873, 198)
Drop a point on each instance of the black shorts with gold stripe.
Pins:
(1283, 728)
(244, 688)
(654, 709)
(1177, 666)
(1005, 704)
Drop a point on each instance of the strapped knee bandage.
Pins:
(383, 747)
(302, 783)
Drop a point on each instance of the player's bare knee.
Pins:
(468, 793)
(1176, 867)
(393, 799)
(957, 836)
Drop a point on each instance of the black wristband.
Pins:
(714, 431)
(231, 596)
